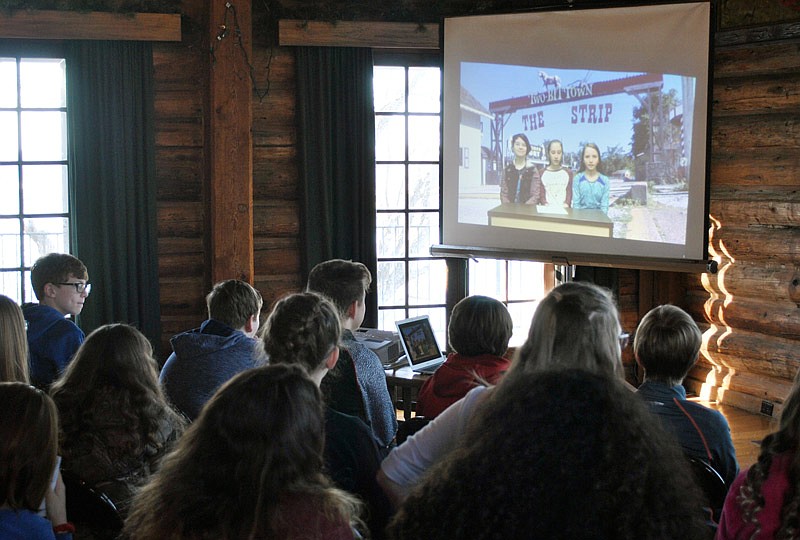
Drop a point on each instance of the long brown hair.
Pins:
(14, 345)
(116, 358)
(28, 439)
(786, 439)
(258, 439)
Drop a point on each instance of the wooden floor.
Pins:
(747, 430)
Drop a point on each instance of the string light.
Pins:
(237, 31)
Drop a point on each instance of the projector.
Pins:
(384, 343)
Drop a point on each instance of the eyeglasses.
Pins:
(80, 287)
(624, 338)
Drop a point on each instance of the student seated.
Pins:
(250, 466)
(479, 330)
(60, 283)
(576, 326)
(358, 385)
(13, 343)
(558, 454)
(224, 345)
(666, 346)
(303, 329)
(28, 441)
(116, 424)
(764, 501)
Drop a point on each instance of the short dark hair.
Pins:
(55, 268)
(343, 282)
(28, 440)
(480, 325)
(524, 139)
(233, 302)
(667, 343)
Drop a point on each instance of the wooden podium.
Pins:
(575, 221)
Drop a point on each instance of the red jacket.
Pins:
(457, 376)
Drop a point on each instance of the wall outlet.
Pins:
(767, 407)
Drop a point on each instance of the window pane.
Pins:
(525, 280)
(438, 322)
(427, 282)
(9, 136)
(43, 82)
(390, 138)
(387, 318)
(44, 136)
(9, 189)
(424, 89)
(391, 283)
(487, 277)
(389, 87)
(522, 315)
(43, 236)
(8, 82)
(28, 287)
(423, 231)
(423, 183)
(10, 285)
(391, 236)
(423, 138)
(390, 187)
(9, 244)
(44, 189)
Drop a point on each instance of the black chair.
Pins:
(712, 484)
(91, 510)
(408, 427)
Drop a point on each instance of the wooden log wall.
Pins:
(751, 324)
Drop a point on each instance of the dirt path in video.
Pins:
(660, 223)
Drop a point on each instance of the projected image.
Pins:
(578, 151)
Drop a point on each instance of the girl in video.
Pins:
(590, 188)
(556, 178)
(521, 182)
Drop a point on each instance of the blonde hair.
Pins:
(14, 345)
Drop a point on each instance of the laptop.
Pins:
(419, 343)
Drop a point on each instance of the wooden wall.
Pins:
(750, 320)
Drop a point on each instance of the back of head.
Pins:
(302, 329)
(28, 439)
(667, 343)
(233, 302)
(343, 282)
(575, 326)
(55, 268)
(260, 436)
(559, 454)
(480, 325)
(14, 342)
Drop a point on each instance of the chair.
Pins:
(90, 509)
(712, 484)
(408, 427)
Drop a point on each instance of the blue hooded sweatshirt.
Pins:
(52, 341)
(203, 360)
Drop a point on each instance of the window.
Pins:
(34, 184)
(410, 281)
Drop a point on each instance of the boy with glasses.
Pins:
(60, 283)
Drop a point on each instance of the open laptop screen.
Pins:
(418, 340)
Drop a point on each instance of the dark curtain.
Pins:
(336, 144)
(112, 134)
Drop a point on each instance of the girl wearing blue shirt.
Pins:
(590, 188)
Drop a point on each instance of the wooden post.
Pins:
(231, 141)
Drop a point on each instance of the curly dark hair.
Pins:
(559, 454)
(786, 439)
(258, 439)
(116, 364)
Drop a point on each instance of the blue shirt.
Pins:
(52, 341)
(27, 525)
(590, 195)
(677, 413)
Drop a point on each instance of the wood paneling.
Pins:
(385, 35)
(35, 24)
